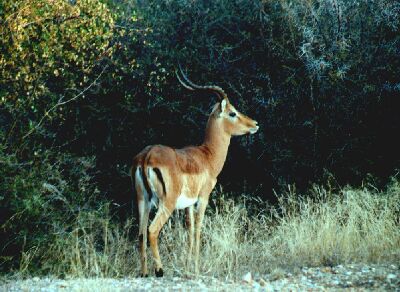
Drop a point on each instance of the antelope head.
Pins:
(233, 122)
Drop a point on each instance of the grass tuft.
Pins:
(323, 228)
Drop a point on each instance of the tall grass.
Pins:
(323, 228)
(356, 225)
(94, 245)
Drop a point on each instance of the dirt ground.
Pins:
(343, 278)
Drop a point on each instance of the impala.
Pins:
(172, 178)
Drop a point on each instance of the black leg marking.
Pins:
(159, 273)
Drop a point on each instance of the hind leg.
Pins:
(144, 211)
(163, 213)
(143, 215)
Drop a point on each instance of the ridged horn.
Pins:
(192, 86)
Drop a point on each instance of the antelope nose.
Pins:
(255, 128)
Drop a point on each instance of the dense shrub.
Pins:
(38, 196)
(320, 76)
(49, 51)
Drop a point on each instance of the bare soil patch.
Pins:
(355, 277)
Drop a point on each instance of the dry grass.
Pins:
(324, 228)
(357, 225)
(93, 246)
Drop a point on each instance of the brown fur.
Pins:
(191, 171)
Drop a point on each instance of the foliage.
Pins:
(36, 197)
(319, 76)
(49, 52)
(86, 84)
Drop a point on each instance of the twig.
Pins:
(60, 103)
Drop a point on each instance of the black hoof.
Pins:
(144, 275)
(159, 273)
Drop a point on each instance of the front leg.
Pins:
(202, 205)
(190, 227)
(201, 208)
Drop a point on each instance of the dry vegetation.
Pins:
(324, 228)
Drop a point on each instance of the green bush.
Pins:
(36, 197)
(49, 50)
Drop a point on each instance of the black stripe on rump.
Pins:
(160, 178)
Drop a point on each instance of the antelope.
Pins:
(172, 178)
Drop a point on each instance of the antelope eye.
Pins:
(232, 114)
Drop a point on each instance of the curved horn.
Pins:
(181, 82)
(191, 86)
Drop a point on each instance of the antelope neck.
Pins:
(217, 142)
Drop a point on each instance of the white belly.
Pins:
(184, 202)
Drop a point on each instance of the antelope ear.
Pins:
(223, 105)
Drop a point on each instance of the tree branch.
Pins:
(60, 103)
